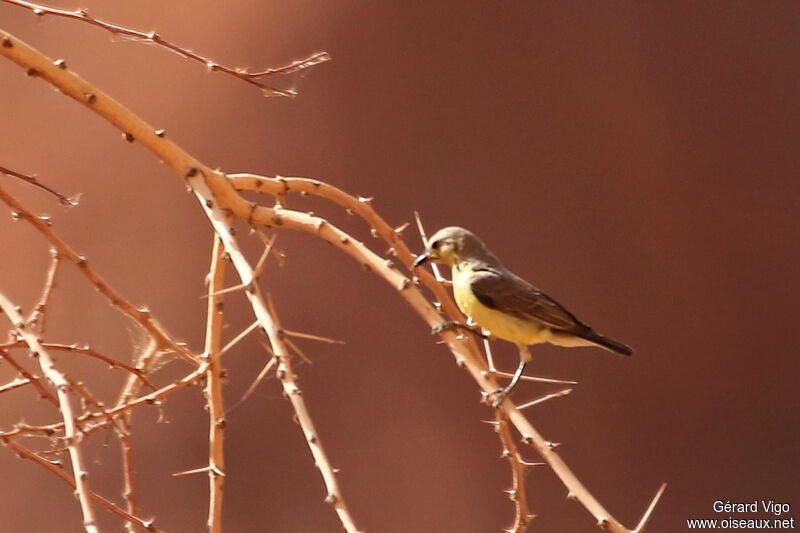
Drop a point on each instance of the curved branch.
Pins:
(55, 468)
(62, 387)
(220, 200)
(253, 78)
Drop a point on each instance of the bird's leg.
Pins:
(503, 393)
(452, 324)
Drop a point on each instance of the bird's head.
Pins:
(452, 245)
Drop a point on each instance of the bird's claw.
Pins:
(496, 398)
(447, 324)
(452, 324)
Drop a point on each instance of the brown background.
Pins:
(636, 160)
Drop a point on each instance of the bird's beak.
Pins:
(421, 258)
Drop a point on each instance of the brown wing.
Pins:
(513, 295)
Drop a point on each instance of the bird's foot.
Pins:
(452, 324)
(497, 397)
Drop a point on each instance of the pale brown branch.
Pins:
(309, 336)
(421, 229)
(153, 398)
(247, 331)
(220, 200)
(126, 451)
(62, 391)
(246, 274)
(31, 179)
(535, 379)
(493, 370)
(37, 316)
(360, 206)
(57, 469)
(649, 511)
(43, 391)
(517, 493)
(124, 427)
(273, 360)
(214, 374)
(83, 350)
(294, 395)
(17, 383)
(152, 37)
(543, 399)
(296, 349)
(142, 315)
(268, 244)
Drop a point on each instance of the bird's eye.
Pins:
(435, 245)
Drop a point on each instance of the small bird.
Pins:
(505, 305)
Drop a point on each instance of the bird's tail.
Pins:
(608, 344)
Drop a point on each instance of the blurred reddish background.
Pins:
(638, 161)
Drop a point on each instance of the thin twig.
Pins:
(17, 383)
(271, 363)
(126, 451)
(124, 428)
(517, 493)
(37, 316)
(66, 201)
(142, 315)
(154, 38)
(83, 350)
(543, 399)
(309, 336)
(100, 419)
(214, 375)
(648, 512)
(247, 331)
(62, 391)
(43, 391)
(58, 470)
(493, 370)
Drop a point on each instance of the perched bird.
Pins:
(505, 305)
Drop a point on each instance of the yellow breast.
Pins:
(499, 324)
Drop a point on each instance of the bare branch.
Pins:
(62, 391)
(69, 202)
(214, 374)
(221, 201)
(43, 391)
(17, 383)
(517, 492)
(142, 315)
(84, 350)
(543, 399)
(649, 511)
(152, 37)
(58, 470)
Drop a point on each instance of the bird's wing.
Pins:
(510, 294)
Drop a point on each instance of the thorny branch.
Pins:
(244, 74)
(214, 375)
(64, 200)
(58, 470)
(60, 383)
(517, 492)
(220, 201)
(84, 350)
(141, 315)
